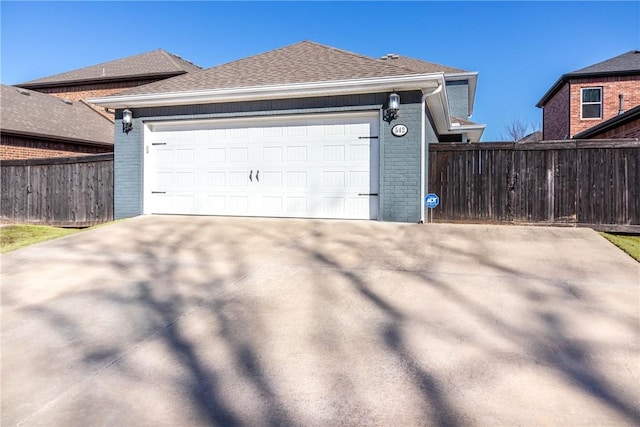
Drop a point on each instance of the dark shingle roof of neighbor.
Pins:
(626, 64)
(303, 62)
(613, 122)
(155, 63)
(27, 112)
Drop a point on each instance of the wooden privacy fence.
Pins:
(69, 191)
(591, 183)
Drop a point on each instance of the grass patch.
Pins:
(629, 244)
(14, 237)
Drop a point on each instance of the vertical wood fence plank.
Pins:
(61, 191)
(572, 182)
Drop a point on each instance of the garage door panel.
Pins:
(333, 153)
(238, 179)
(238, 205)
(239, 155)
(359, 153)
(276, 169)
(185, 155)
(185, 179)
(216, 155)
(216, 179)
(296, 154)
(216, 204)
(273, 204)
(297, 206)
(297, 179)
(165, 157)
(271, 180)
(333, 179)
(272, 154)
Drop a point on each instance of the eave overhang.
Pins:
(438, 105)
(565, 78)
(285, 91)
(100, 80)
(445, 124)
(55, 138)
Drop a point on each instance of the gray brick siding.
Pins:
(128, 170)
(400, 167)
(458, 96)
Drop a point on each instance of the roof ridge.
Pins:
(254, 55)
(437, 64)
(400, 66)
(173, 57)
(95, 111)
(360, 55)
(172, 60)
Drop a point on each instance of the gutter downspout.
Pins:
(423, 113)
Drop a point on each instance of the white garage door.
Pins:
(322, 166)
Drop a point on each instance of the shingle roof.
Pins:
(625, 64)
(155, 63)
(418, 65)
(463, 122)
(303, 62)
(627, 116)
(28, 112)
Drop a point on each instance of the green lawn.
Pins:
(629, 244)
(14, 237)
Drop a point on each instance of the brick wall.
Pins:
(555, 116)
(83, 92)
(400, 167)
(629, 86)
(19, 148)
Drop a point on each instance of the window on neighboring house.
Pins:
(591, 102)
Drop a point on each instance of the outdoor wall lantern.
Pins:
(392, 109)
(127, 116)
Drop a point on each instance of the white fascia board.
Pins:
(297, 90)
(472, 78)
(474, 132)
(439, 109)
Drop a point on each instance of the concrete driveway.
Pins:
(184, 321)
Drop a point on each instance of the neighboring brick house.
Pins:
(25, 122)
(37, 125)
(112, 77)
(591, 96)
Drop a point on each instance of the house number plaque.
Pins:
(399, 130)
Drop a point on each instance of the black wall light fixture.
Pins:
(391, 113)
(127, 117)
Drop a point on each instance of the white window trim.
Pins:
(582, 103)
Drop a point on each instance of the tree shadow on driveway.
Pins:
(223, 321)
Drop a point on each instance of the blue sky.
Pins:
(519, 48)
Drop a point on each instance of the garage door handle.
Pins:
(258, 175)
(251, 175)
(367, 194)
